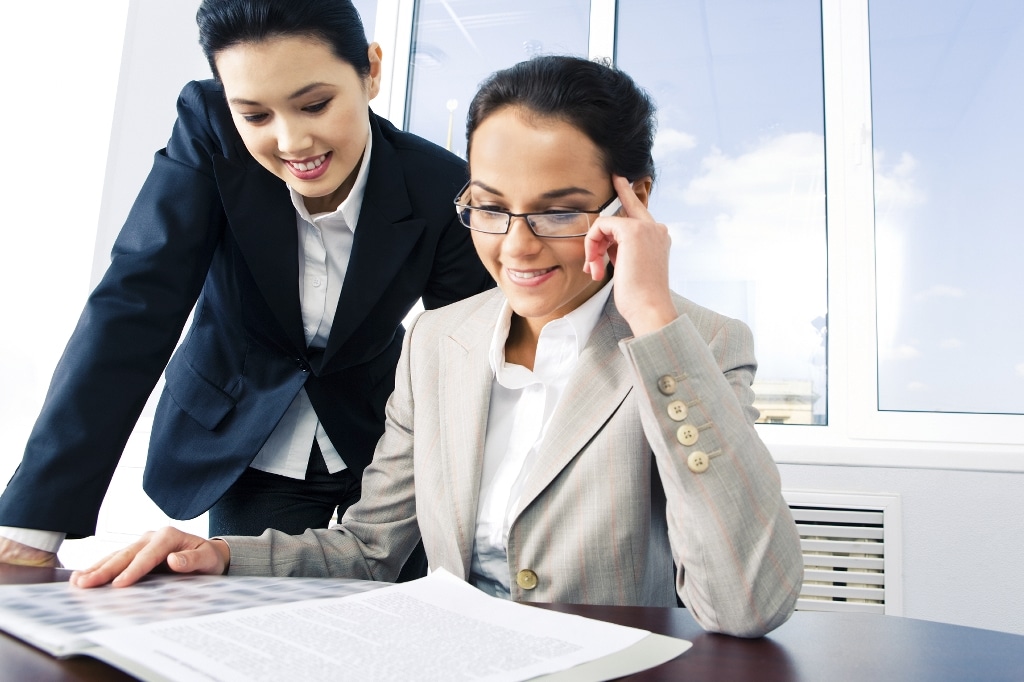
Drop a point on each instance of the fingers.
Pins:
(632, 206)
(183, 553)
(602, 238)
(638, 246)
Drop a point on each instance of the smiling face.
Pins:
(523, 163)
(301, 112)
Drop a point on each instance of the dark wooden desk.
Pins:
(810, 647)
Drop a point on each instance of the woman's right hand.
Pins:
(183, 553)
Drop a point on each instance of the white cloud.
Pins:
(940, 291)
(1020, 369)
(951, 344)
(670, 141)
(902, 352)
(897, 196)
(766, 208)
(895, 184)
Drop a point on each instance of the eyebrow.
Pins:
(560, 193)
(295, 95)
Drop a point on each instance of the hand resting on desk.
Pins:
(180, 551)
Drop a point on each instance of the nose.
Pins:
(292, 136)
(520, 240)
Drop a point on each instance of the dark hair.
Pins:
(602, 102)
(336, 23)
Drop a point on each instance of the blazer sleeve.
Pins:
(731, 532)
(125, 335)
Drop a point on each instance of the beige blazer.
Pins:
(650, 461)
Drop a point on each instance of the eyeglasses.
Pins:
(551, 225)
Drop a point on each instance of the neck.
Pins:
(521, 344)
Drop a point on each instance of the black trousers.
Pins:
(259, 500)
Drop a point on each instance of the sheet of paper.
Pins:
(54, 616)
(435, 628)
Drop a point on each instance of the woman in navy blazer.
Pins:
(214, 229)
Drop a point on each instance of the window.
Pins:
(741, 185)
(947, 105)
(368, 13)
(458, 43)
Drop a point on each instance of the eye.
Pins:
(317, 107)
(561, 217)
(254, 118)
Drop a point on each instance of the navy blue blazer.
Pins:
(213, 229)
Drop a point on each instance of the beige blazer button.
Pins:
(667, 385)
(677, 410)
(697, 462)
(526, 579)
(687, 434)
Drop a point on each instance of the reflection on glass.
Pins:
(947, 106)
(741, 164)
(458, 43)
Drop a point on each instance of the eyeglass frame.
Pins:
(608, 208)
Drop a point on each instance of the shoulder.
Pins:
(204, 120)
(465, 321)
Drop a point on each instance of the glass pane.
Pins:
(741, 185)
(458, 43)
(947, 96)
(368, 13)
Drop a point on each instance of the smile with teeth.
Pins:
(528, 274)
(308, 165)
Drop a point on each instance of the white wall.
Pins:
(963, 538)
(60, 63)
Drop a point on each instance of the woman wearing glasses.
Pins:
(574, 436)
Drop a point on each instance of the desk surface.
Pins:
(810, 646)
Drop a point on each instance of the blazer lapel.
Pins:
(597, 387)
(262, 220)
(384, 236)
(465, 378)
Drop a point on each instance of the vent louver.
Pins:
(850, 548)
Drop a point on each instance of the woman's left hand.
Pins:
(182, 553)
(638, 247)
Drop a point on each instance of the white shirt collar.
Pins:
(349, 209)
(578, 324)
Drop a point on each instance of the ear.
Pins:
(374, 53)
(642, 188)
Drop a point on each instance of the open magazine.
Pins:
(178, 628)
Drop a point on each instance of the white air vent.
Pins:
(851, 547)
